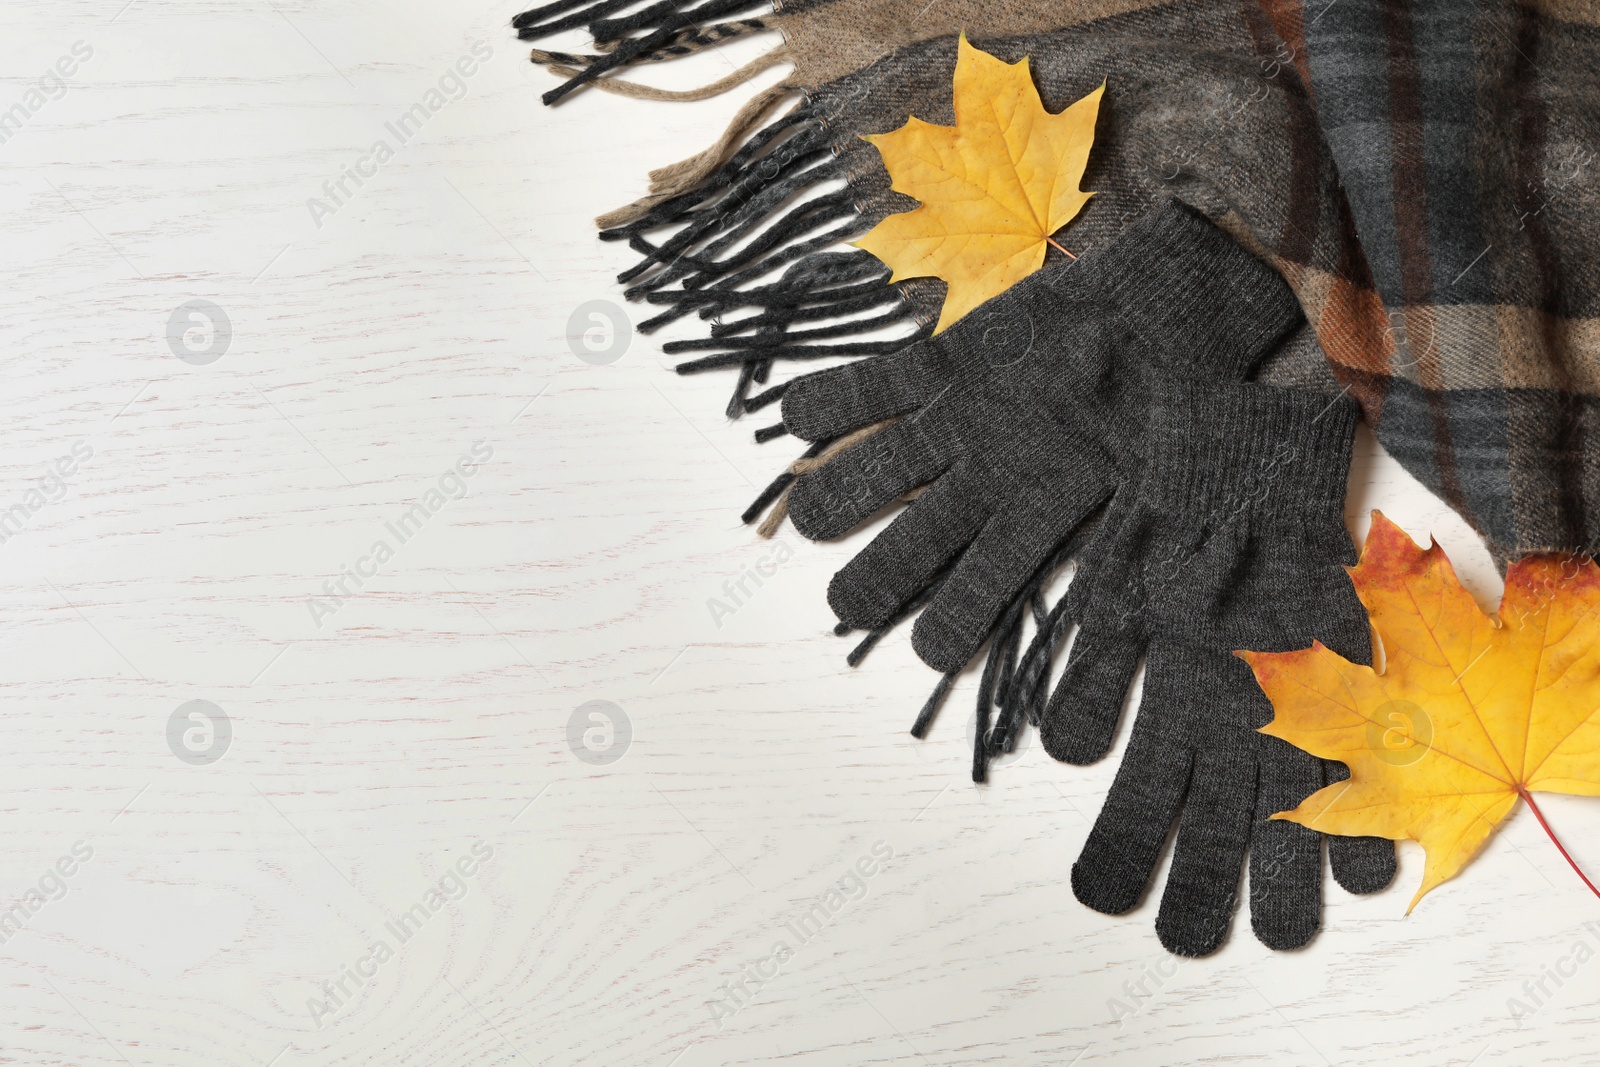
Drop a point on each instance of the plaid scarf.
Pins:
(1461, 135)
(1466, 135)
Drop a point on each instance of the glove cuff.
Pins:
(1193, 294)
(1250, 453)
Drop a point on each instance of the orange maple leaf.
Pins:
(993, 187)
(1469, 713)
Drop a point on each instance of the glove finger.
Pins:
(1081, 718)
(1116, 862)
(905, 556)
(1285, 857)
(833, 500)
(1197, 905)
(1006, 553)
(1360, 864)
(1079, 721)
(839, 400)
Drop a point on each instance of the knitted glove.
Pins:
(1234, 538)
(1021, 419)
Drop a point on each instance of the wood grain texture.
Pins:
(429, 714)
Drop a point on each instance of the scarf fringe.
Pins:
(666, 29)
(687, 41)
(637, 91)
(764, 208)
(563, 15)
(791, 156)
(676, 179)
(1011, 689)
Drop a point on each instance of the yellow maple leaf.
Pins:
(993, 187)
(1469, 713)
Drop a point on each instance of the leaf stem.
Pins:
(1051, 241)
(1565, 854)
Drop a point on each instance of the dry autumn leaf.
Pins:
(993, 187)
(1469, 713)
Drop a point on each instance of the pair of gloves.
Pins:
(1111, 392)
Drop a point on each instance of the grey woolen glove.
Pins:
(1021, 420)
(1234, 538)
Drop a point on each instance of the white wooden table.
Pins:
(395, 766)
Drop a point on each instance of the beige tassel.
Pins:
(780, 508)
(669, 181)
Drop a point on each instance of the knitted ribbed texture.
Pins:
(1250, 455)
(1229, 542)
(1224, 315)
(1023, 417)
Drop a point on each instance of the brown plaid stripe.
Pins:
(1466, 136)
